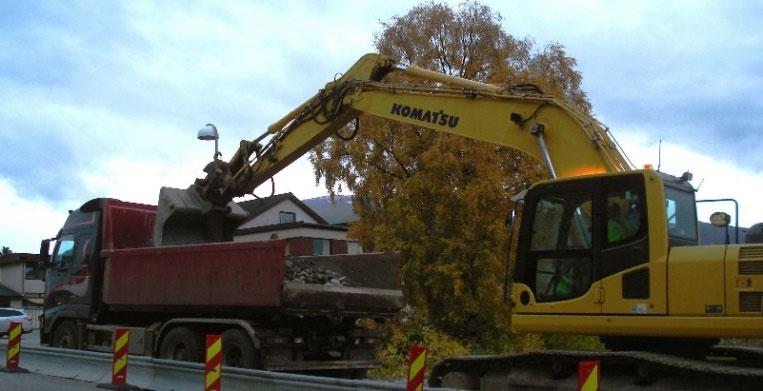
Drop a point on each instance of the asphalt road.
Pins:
(32, 381)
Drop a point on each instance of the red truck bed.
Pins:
(228, 274)
(248, 274)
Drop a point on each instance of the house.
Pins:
(21, 281)
(10, 297)
(284, 216)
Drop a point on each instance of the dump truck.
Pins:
(274, 312)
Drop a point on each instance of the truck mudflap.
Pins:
(350, 284)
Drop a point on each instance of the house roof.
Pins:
(8, 292)
(259, 206)
(18, 258)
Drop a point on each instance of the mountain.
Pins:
(708, 234)
(338, 212)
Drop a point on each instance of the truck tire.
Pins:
(181, 344)
(238, 350)
(65, 335)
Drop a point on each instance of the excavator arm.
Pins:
(567, 141)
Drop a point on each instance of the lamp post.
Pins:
(209, 132)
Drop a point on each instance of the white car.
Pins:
(8, 315)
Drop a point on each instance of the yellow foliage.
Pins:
(441, 199)
(405, 332)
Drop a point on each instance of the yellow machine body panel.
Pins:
(650, 326)
(710, 293)
(695, 281)
(614, 303)
(744, 280)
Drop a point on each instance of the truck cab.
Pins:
(72, 283)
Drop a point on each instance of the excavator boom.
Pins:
(569, 142)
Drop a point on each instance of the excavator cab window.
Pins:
(682, 214)
(561, 242)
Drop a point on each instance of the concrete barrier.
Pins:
(161, 375)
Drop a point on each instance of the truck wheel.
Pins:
(65, 335)
(237, 349)
(181, 344)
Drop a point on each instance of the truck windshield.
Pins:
(682, 213)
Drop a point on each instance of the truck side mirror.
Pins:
(44, 261)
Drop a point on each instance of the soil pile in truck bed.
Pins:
(307, 271)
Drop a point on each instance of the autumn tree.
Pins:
(443, 199)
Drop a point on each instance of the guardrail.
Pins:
(160, 375)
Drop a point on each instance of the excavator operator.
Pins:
(616, 224)
(620, 226)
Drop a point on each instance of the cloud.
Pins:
(683, 71)
(104, 99)
(716, 177)
(25, 220)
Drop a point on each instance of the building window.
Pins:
(321, 247)
(287, 217)
(33, 271)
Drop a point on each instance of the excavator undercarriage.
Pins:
(723, 368)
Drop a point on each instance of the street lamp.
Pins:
(209, 132)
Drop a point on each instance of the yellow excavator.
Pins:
(603, 249)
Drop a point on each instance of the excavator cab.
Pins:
(597, 244)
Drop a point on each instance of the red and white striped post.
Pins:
(417, 363)
(14, 346)
(588, 375)
(121, 347)
(213, 363)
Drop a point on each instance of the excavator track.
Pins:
(726, 368)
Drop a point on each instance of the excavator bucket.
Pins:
(183, 217)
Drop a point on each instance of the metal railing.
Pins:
(159, 375)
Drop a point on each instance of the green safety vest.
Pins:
(564, 287)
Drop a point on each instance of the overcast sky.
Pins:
(105, 98)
